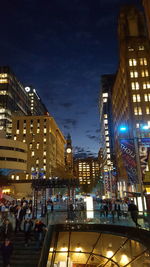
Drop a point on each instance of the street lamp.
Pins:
(139, 172)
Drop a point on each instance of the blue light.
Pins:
(145, 127)
(123, 128)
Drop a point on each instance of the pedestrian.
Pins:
(134, 212)
(6, 229)
(117, 209)
(19, 217)
(39, 231)
(6, 251)
(28, 224)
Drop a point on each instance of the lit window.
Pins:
(3, 81)
(136, 98)
(105, 116)
(2, 110)
(17, 177)
(135, 86)
(132, 62)
(45, 130)
(105, 121)
(44, 153)
(143, 61)
(133, 74)
(141, 47)
(104, 100)
(144, 73)
(147, 110)
(137, 125)
(32, 153)
(130, 48)
(15, 137)
(108, 156)
(3, 75)
(37, 161)
(38, 130)
(108, 150)
(3, 92)
(146, 85)
(106, 132)
(147, 97)
(44, 140)
(27, 176)
(24, 131)
(137, 111)
(107, 138)
(17, 132)
(12, 177)
(37, 145)
(107, 144)
(30, 145)
(105, 94)
(44, 160)
(24, 140)
(44, 167)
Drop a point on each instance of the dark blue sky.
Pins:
(62, 47)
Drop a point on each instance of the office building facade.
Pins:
(131, 90)
(45, 144)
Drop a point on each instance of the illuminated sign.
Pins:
(27, 89)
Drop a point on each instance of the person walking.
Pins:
(6, 251)
(28, 224)
(133, 209)
(39, 230)
(6, 229)
(19, 218)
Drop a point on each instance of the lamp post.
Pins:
(139, 172)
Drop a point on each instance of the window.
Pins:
(45, 130)
(105, 116)
(24, 131)
(37, 161)
(44, 153)
(3, 92)
(147, 110)
(137, 125)
(143, 61)
(144, 73)
(132, 62)
(141, 47)
(24, 140)
(105, 94)
(133, 74)
(130, 48)
(106, 121)
(17, 177)
(30, 146)
(15, 137)
(137, 111)
(32, 153)
(44, 160)
(37, 145)
(146, 85)
(104, 100)
(38, 130)
(44, 140)
(135, 86)
(147, 97)
(136, 98)
(17, 132)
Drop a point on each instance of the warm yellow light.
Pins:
(51, 249)
(124, 259)
(3, 81)
(109, 254)
(4, 191)
(78, 249)
(64, 249)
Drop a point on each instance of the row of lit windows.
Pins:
(3, 75)
(135, 74)
(133, 62)
(2, 92)
(137, 98)
(136, 86)
(33, 153)
(141, 48)
(138, 110)
(3, 81)
(31, 131)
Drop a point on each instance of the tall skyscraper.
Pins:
(13, 98)
(107, 159)
(131, 92)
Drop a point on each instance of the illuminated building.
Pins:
(87, 170)
(106, 130)
(131, 91)
(13, 98)
(45, 144)
(36, 106)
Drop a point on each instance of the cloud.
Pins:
(93, 137)
(82, 153)
(70, 122)
(66, 104)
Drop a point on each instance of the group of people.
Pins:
(119, 209)
(19, 212)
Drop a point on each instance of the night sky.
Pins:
(62, 47)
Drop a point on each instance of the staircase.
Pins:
(23, 256)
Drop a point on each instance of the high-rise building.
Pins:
(37, 107)
(45, 144)
(107, 160)
(131, 91)
(87, 170)
(13, 98)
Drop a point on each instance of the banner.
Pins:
(129, 159)
(144, 152)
